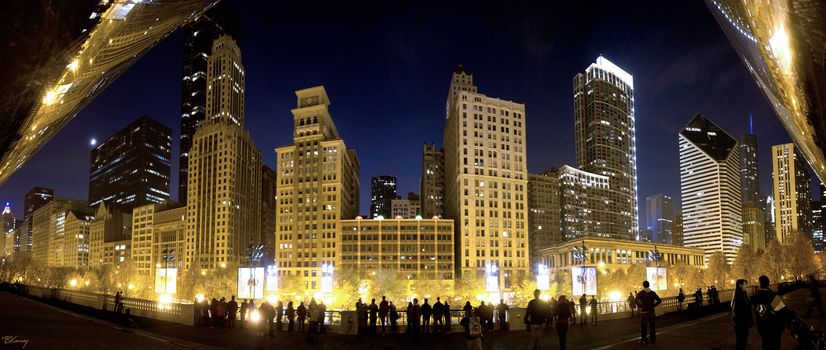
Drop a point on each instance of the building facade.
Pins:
(49, 228)
(405, 208)
(710, 185)
(35, 199)
(544, 212)
(199, 36)
(8, 226)
(659, 218)
(383, 191)
(110, 225)
(132, 168)
(817, 226)
(583, 202)
(224, 191)
(432, 181)
(318, 185)
(418, 249)
(486, 181)
(268, 210)
(158, 238)
(792, 193)
(605, 139)
(754, 231)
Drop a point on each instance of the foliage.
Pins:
(717, 271)
(801, 257)
(746, 264)
(772, 261)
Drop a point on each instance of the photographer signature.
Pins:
(12, 339)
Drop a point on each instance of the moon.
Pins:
(93, 141)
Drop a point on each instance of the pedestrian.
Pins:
(768, 309)
(647, 300)
(473, 331)
(415, 319)
(447, 317)
(438, 311)
(394, 318)
(563, 315)
(710, 295)
(632, 304)
(290, 316)
(501, 315)
(680, 300)
(592, 305)
(698, 298)
(322, 314)
(244, 307)
(427, 311)
(205, 307)
(536, 318)
(232, 311)
(409, 315)
(279, 315)
(302, 315)
(312, 314)
(741, 316)
(361, 316)
(374, 315)
(467, 309)
(118, 298)
(384, 309)
(482, 311)
(583, 307)
(814, 298)
(222, 313)
(268, 312)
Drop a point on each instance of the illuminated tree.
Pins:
(801, 257)
(772, 261)
(523, 290)
(468, 287)
(717, 271)
(746, 264)
(390, 283)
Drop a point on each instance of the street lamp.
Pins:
(581, 258)
(656, 256)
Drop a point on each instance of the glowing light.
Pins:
(73, 66)
(93, 142)
(130, 286)
(544, 297)
(86, 283)
(50, 98)
(418, 217)
(615, 295)
(271, 299)
(255, 316)
(223, 265)
(779, 43)
(199, 297)
(73, 282)
(165, 301)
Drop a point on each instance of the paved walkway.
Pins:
(47, 328)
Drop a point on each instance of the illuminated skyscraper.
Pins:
(223, 209)
(55, 227)
(318, 186)
(749, 170)
(710, 188)
(383, 192)
(583, 199)
(35, 198)
(7, 229)
(433, 181)
(659, 214)
(605, 139)
(792, 193)
(198, 39)
(132, 168)
(543, 212)
(486, 181)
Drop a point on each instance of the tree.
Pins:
(745, 264)
(772, 261)
(801, 257)
(717, 271)
(523, 290)
(687, 277)
(390, 283)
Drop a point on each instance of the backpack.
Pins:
(475, 328)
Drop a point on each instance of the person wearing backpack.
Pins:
(563, 315)
(767, 307)
(646, 301)
(536, 317)
(473, 330)
(741, 316)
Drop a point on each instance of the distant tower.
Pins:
(605, 139)
(659, 210)
(383, 190)
(710, 183)
(432, 181)
(35, 199)
(792, 193)
(753, 205)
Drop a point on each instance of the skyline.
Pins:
(383, 118)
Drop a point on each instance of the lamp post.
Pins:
(255, 252)
(655, 255)
(580, 258)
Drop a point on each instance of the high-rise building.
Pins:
(754, 231)
(432, 181)
(817, 226)
(223, 208)
(35, 198)
(198, 39)
(544, 227)
(132, 167)
(7, 228)
(268, 210)
(49, 227)
(110, 225)
(318, 185)
(582, 201)
(749, 170)
(769, 217)
(383, 191)
(710, 188)
(792, 193)
(408, 208)
(158, 238)
(605, 139)
(486, 181)
(677, 230)
(659, 214)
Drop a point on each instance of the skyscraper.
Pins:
(677, 230)
(223, 209)
(754, 231)
(817, 226)
(659, 210)
(710, 184)
(582, 201)
(198, 39)
(605, 139)
(132, 168)
(792, 193)
(35, 198)
(383, 191)
(486, 181)
(318, 185)
(268, 209)
(433, 181)
(749, 170)
(54, 226)
(109, 225)
(543, 212)
(7, 228)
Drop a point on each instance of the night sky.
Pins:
(387, 67)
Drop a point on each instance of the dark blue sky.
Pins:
(387, 66)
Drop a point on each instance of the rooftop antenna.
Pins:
(751, 125)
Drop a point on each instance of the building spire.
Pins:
(751, 124)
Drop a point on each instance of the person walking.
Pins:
(290, 317)
(447, 316)
(438, 310)
(374, 315)
(312, 314)
(244, 307)
(583, 307)
(814, 298)
(632, 303)
(268, 312)
(394, 318)
(563, 315)
(232, 311)
(384, 309)
(768, 309)
(473, 331)
(427, 311)
(467, 309)
(279, 315)
(741, 317)
(592, 305)
(680, 300)
(535, 320)
(501, 315)
(647, 300)
(302, 315)
(482, 311)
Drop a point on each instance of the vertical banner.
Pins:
(250, 282)
(272, 278)
(657, 278)
(584, 280)
(166, 280)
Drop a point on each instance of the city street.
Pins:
(46, 327)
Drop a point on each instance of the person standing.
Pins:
(698, 298)
(232, 311)
(592, 305)
(268, 312)
(312, 314)
(501, 315)
(647, 300)
(473, 331)
(244, 307)
(409, 314)
(814, 298)
(415, 319)
(467, 309)
(427, 311)
(768, 312)
(535, 319)
(302, 315)
(322, 314)
(583, 307)
(384, 308)
(279, 315)
(680, 300)
(437, 315)
(290, 317)
(563, 315)
(447, 317)
(374, 315)
(632, 303)
(394, 318)
(741, 316)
